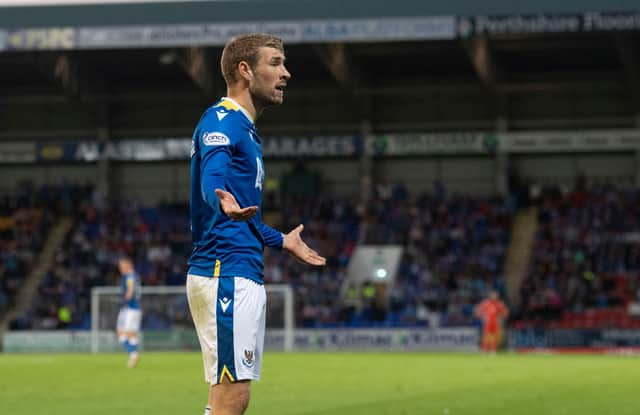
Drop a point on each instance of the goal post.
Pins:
(166, 322)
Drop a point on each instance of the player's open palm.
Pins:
(295, 246)
(231, 207)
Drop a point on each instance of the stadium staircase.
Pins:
(42, 263)
(523, 233)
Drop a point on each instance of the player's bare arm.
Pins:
(231, 208)
(297, 248)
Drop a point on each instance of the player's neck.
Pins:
(243, 98)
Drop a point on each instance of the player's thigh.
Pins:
(229, 316)
(120, 324)
(133, 319)
(202, 293)
(248, 328)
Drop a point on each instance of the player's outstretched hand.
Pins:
(295, 246)
(231, 207)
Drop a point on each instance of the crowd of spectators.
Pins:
(331, 228)
(157, 239)
(455, 249)
(454, 252)
(25, 218)
(586, 256)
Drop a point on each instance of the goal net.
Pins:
(166, 320)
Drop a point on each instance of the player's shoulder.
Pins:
(221, 123)
(223, 114)
(227, 106)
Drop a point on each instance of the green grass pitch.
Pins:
(327, 384)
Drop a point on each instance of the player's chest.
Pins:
(248, 154)
(249, 145)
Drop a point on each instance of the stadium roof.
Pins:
(545, 81)
(462, 73)
(265, 10)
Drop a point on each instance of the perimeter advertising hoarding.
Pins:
(52, 38)
(18, 152)
(432, 143)
(180, 149)
(445, 339)
(313, 31)
(569, 141)
(442, 339)
(217, 34)
(459, 339)
(547, 23)
(312, 146)
(573, 338)
(338, 146)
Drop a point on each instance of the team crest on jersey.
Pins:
(248, 359)
(215, 139)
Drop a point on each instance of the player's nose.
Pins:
(285, 74)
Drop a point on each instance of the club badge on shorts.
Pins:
(248, 359)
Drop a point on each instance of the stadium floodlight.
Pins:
(167, 323)
(381, 273)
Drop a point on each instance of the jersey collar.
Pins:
(234, 102)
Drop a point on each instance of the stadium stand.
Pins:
(157, 238)
(408, 98)
(455, 251)
(25, 218)
(584, 271)
(456, 247)
(586, 259)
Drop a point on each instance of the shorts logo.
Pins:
(215, 139)
(248, 359)
(224, 304)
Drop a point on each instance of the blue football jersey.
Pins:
(134, 301)
(226, 154)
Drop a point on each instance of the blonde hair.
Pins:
(245, 48)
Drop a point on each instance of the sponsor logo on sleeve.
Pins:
(215, 139)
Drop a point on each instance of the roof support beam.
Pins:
(628, 55)
(68, 72)
(339, 62)
(491, 74)
(483, 61)
(197, 63)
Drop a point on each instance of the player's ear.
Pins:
(244, 69)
